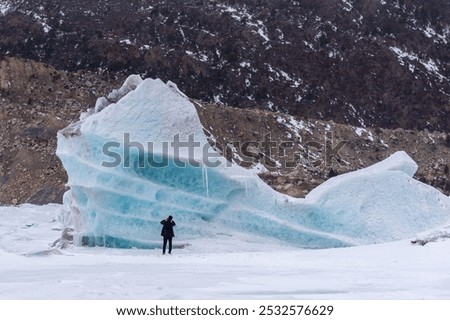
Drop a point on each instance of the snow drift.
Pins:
(145, 156)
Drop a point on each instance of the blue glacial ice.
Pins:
(125, 176)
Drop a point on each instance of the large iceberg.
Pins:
(145, 155)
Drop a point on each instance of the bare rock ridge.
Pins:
(36, 100)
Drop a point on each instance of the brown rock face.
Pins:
(35, 102)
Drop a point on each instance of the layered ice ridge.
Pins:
(129, 167)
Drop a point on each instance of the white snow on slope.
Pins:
(431, 33)
(430, 65)
(4, 7)
(241, 14)
(347, 5)
(121, 205)
(360, 131)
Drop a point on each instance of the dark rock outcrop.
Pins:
(365, 63)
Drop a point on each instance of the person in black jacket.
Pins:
(167, 233)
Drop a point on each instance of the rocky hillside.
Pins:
(295, 155)
(36, 101)
(371, 63)
(292, 154)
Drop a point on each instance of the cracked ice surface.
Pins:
(120, 203)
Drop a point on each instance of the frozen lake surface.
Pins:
(219, 268)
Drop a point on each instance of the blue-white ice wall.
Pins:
(121, 206)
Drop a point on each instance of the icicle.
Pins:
(205, 179)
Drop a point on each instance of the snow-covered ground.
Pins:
(217, 268)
